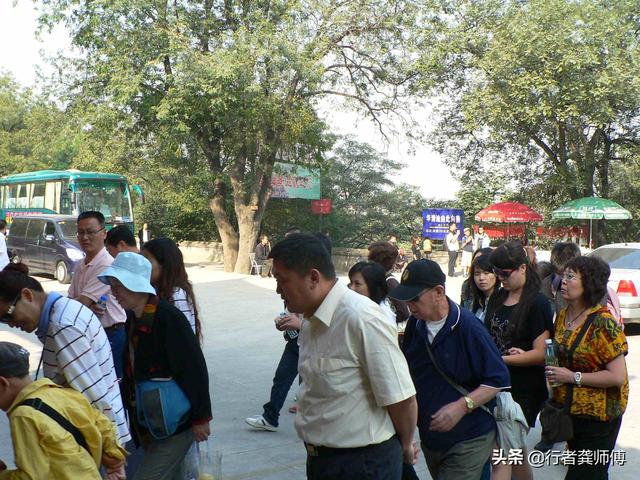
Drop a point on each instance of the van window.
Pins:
(18, 227)
(35, 228)
(69, 229)
(50, 229)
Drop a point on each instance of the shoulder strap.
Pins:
(583, 331)
(39, 405)
(446, 377)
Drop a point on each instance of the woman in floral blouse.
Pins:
(598, 370)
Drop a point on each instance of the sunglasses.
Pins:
(8, 317)
(503, 272)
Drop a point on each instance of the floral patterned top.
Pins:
(601, 344)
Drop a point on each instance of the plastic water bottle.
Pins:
(550, 357)
(102, 301)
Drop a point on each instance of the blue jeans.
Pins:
(286, 373)
(117, 339)
(382, 461)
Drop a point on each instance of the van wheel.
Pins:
(62, 272)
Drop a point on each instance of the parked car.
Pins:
(624, 260)
(46, 243)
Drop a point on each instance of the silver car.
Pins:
(624, 260)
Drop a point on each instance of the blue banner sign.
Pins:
(435, 221)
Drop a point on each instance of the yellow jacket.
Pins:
(44, 450)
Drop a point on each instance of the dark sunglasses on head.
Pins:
(7, 317)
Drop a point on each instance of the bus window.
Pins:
(37, 196)
(12, 196)
(65, 202)
(52, 196)
(109, 198)
(22, 200)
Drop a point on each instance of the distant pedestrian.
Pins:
(483, 240)
(344, 376)
(75, 351)
(164, 364)
(427, 247)
(452, 245)
(170, 279)
(416, 248)
(4, 253)
(468, 243)
(485, 285)
(120, 239)
(144, 234)
(43, 447)
(262, 255)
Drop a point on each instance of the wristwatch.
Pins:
(470, 403)
(577, 378)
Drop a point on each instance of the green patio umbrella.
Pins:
(591, 208)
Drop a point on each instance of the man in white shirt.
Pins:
(87, 289)
(356, 406)
(451, 241)
(4, 254)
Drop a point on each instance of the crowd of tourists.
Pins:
(124, 391)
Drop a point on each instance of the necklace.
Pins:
(570, 322)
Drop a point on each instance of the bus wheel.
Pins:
(62, 272)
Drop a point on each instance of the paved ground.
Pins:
(242, 349)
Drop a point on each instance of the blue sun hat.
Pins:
(132, 270)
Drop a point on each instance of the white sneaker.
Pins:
(259, 423)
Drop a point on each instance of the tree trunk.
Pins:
(228, 234)
(248, 229)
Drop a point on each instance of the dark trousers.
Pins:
(382, 461)
(453, 256)
(592, 435)
(285, 375)
(117, 338)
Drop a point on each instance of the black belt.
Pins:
(115, 326)
(320, 451)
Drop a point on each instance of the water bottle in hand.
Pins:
(102, 305)
(550, 357)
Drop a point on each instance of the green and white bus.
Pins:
(67, 192)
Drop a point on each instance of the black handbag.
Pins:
(557, 425)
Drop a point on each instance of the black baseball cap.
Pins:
(14, 360)
(417, 277)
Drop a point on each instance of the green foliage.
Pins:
(34, 133)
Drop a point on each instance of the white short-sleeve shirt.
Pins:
(351, 368)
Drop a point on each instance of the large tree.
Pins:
(549, 88)
(239, 79)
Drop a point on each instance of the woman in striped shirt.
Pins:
(169, 278)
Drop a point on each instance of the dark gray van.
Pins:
(46, 243)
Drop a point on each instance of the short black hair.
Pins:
(326, 241)
(302, 252)
(120, 233)
(594, 273)
(3, 224)
(374, 276)
(562, 253)
(92, 214)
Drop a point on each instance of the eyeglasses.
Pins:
(569, 277)
(8, 317)
(503, 272)
(88, 233)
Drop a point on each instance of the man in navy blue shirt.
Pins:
(457, 436)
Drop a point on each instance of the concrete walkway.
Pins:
(242, 349)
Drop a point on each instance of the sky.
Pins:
(21, 55)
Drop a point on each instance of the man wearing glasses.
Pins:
(87, 289)
(457, 435)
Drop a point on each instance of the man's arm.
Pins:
(404, 416)
(450, 414)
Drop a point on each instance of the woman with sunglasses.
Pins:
(76, 350)
(597, 370)
(521, 322)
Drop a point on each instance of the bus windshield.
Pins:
(108, 197)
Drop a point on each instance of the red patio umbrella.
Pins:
(508, 212)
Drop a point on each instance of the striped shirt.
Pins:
(180, 301)
(77, 354)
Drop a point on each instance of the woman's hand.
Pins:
(201, 432)
(515, 351)
(559, 374)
